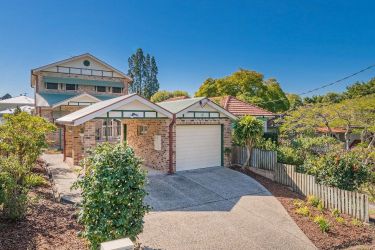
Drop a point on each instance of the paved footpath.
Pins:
(63, 177)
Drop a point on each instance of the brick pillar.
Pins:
(68, 141)
(89, 136)
(77, 144)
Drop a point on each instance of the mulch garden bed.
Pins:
(339, 236)
(48, 224)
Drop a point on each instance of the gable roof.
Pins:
(79, 57)
(85, 114)
(240, 108)
(18, 100)
(180, 107)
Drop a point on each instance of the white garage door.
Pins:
(198, 146)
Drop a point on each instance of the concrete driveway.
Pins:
(216, 208)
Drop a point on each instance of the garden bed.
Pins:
(48, 224)
(339, 236)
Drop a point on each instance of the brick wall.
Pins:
(143, 145)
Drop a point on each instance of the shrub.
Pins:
(335, 212)
(356, 222)
(345, 170)
(113, 193)
(320, 207)
(298, 203)
(304, 211)
(22, 141)
(313, 200)
(13, 189)
(322, 222)
(340, 220)
(288, 155)
(35, 180)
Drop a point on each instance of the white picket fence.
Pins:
(351, 203)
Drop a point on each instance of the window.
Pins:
(70, 86)
(142, 129)
(116, 90)
(100, 89)
(86, 63)
(52, 85)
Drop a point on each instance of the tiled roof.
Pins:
(334, 130)
(240, 108)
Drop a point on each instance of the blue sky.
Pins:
(303, 44)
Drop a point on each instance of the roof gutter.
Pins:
(171, 152)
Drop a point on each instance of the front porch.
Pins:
(142, 124)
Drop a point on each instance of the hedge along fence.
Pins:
(352, 203)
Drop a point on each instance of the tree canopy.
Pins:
(357, 89)
(144, 71)
(249, 86)
(164, 95)
(353, 115)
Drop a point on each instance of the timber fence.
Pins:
(348, 202)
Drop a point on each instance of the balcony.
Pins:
(81, 71)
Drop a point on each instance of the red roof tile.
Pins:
(334, 130)
(240, 108)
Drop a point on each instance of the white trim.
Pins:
(78, 57)
(212, 105)
(70, 99)
(96, 110)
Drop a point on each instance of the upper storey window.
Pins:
(52, 85)
(70, 86)
(100, 89)
(116, 90)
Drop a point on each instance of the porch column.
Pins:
(89, 141)
(68, 136)
(77, 144)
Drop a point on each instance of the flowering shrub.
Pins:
(113, 193)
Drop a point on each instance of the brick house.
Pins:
(169, 136)
(89, 102)
(71, 84)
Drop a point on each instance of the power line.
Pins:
(325, 85)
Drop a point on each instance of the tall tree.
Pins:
(143, 70)
(153, 76)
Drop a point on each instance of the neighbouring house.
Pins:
(170, 136)
(66, 86)
(15, 102)
(339, 134)
(240, 108)
(8, 106)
